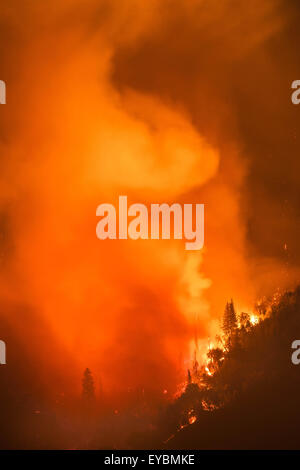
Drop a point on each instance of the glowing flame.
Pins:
(208, 406)
(192, 419)
(254, 320)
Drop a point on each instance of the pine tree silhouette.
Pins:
(229, 320)
(88, 388)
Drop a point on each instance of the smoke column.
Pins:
(154, 102)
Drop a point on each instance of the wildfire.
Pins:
(208, 406)
(192, 418)
(180, 390)
(254, 320)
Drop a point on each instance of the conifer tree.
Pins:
(229, 319)
(88, 388)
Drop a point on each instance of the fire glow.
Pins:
(119, 125)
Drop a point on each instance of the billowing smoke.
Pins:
(163, 102)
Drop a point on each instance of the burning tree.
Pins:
(215, 355)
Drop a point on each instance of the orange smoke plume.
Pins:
(92, 113)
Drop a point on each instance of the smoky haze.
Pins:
(184, 102)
